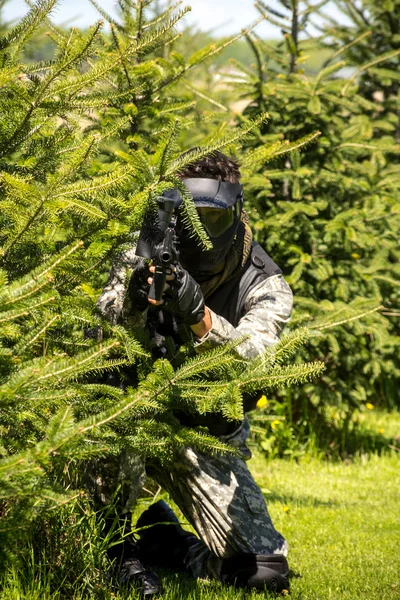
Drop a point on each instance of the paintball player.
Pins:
(226, 293)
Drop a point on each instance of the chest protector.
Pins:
(229, 299)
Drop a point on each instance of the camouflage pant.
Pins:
(217, 495)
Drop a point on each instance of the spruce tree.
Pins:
(76, 180)
(328, 216)
(376, 61)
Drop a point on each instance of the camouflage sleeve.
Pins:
(267, 309)
(111, 301)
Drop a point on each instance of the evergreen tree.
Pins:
(75, 184)
(375, 57)
(328, 216)
(376, 60)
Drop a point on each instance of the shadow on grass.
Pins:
(180, 585)
(307, 501)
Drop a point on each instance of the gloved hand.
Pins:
(184, 298)
(138, 288)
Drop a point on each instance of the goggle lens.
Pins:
(216, 220)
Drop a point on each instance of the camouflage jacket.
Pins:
(266, 310)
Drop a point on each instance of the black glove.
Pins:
(184, 298)
(138, 289)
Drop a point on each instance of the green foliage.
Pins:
(65, 557)
(328, 214)
(91, 137)
(52, 417)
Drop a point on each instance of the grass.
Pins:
(341, 520)
(342, 523)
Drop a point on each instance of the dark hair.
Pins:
(212, 166)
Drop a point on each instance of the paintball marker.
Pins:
(158, 242)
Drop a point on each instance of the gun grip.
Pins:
(157, 287)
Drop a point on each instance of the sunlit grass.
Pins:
(341, 520)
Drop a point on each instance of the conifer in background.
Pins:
(329, 216)
(376, 60)
(375, 57)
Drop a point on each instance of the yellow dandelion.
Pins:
(286, 509)
(262, 402)
(355, 256)
(370, 406)
(275, 424)
(380, 430)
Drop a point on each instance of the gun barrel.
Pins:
(166, 257)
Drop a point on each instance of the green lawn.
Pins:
(342, 521)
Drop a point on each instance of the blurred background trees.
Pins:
(329, 214)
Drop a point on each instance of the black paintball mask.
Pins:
(219, 205)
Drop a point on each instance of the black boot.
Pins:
(127, 568)
(259, 571)
(132, 571)
(163, 542)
